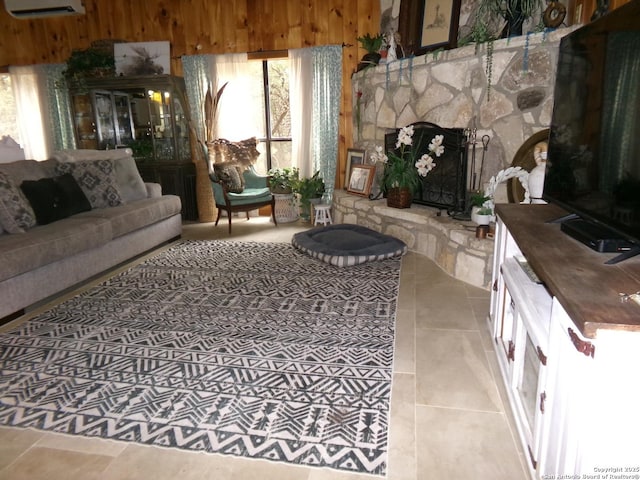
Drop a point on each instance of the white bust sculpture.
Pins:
(536, 176)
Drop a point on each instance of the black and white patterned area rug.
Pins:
(241, 348)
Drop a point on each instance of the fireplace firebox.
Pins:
(445, 186)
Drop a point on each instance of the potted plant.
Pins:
(481, 211)
(403, 169)
(372, 45)
(282, 180)
(308, 189)
(513, 12)
(94, 61)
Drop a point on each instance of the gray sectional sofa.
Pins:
(52, 239)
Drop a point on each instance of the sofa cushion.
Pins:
(55, 198)
(16, 214)
(97, 180)
(49, 243)
(135, 215)
(29, 170)
(130, 182)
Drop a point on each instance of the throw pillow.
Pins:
(55, 198)
(16, 214)
(228, 174)
(97, 178)
(130, 182)
(128, 178)
(241, 171)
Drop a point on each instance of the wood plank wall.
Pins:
(201, 27)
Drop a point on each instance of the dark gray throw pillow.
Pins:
(55, 198)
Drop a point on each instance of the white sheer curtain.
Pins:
(240, 116)
(29, 85)
(315, 92)
(301, 99)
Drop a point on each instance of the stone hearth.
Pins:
(451, 243)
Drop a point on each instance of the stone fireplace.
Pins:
(444, 187)
(504, 97)
(451, 243)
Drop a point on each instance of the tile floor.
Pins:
(448, 417)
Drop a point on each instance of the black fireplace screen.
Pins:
(444, 187)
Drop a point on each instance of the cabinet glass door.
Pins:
(160, 102)
(122, 108)
(83, 122)
(181, 131)
(528, 385)
(507, 326)
(104, 119)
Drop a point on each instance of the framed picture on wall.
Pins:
(354, 157)
(142, 58)
(361, 179)
(426, 25)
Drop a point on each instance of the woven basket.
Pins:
(399, 198)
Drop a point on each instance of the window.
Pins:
(274, 127)
(8, 111)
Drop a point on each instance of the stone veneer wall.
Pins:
(452, 244)
(451, 88)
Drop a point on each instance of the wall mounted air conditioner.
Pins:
(43, 8)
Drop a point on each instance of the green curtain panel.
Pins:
(59, 105)
(327, 91)
(196, 78)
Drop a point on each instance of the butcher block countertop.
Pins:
(587, 288)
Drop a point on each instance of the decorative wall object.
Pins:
(426, 25)
(144, 58)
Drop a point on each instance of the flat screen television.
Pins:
(593, 167)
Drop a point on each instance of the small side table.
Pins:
(323, 214)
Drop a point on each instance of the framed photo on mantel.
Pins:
(426, 25)
(355, 156)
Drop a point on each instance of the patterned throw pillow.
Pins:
(229, 175)
(97, 178)
(16, 215)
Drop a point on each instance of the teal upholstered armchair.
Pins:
(239, 189)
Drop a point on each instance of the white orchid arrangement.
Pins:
(402, 170)
(502, 176)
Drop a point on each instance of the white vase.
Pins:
(480, 219)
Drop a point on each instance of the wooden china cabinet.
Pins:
(147, 114)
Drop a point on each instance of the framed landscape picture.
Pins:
(143, 58)
(426, 25)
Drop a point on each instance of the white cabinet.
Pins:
(520, 313)
(575, 400)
